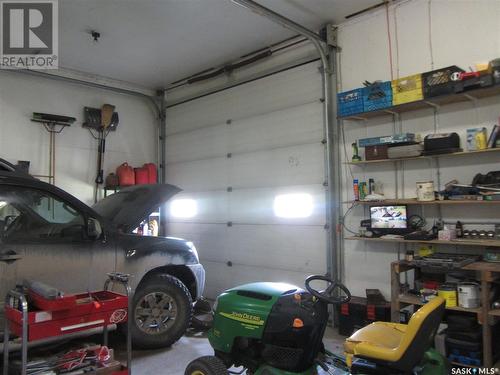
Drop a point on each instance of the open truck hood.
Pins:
(129, 206)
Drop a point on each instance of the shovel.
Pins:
(107, 111)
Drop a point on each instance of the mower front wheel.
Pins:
(208, 365)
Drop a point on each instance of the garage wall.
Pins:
(233, 152)
(460, 33)
(76, 151)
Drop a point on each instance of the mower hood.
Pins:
(265, 288)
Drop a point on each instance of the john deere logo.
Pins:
(244, 318)
(29, 34)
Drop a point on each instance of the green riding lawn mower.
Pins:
(277, 329)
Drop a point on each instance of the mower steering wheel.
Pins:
(328, 294)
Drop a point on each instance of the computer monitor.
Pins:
(389, 219)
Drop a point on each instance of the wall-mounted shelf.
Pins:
(486, 243)
(429, 103)
(495, 312)
(450, 202)
(464, 153)
(414, 300)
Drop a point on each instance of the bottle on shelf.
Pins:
(459, 228)
(355, 187)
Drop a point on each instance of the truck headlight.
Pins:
(192, 248)
(216, 303)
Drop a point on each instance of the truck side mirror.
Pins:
(94, 229)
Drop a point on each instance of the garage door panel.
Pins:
(272, 247)
(208, 142)
(301, 124)
(220, 277)
(257, 246)
(284, 90)
(199, 175)
(211, 206)
(296, 165)
(278, 91)
(256, 206)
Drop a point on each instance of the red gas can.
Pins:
(141, 176)
(126, 175)
(152, 172)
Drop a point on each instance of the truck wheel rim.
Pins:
(155, 313)
(197, 372)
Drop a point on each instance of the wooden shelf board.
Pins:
(428, 103)
(487, 243)
(414, 300)
(416, 202)
(464, 153)
(483, 266)
(495, 312)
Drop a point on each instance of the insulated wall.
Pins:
(422, 36)
(233, 153)
(76, 151)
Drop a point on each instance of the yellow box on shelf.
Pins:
(407, 89)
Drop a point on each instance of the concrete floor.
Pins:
(173, 361)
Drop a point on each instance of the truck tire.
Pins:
(161, 312)
(208, 365)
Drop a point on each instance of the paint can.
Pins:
(425, 191)
(468, 295)
(449, 293)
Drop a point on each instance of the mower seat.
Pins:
(395, 346)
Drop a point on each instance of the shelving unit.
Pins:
(434, 102)
(485, 243)
(414, 300)
(486, 273)
(426, 203)
(426, 157)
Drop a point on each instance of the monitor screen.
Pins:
(388, 217)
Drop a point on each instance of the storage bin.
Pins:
(377, 152)
(484, 79)
(350, 102)
(438, 82)
(377, 96)
(357, 313)
(407, 89)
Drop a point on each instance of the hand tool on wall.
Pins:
(100, 122)
(54, 124)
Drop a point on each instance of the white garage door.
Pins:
(251, 165)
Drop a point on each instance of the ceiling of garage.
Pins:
(155, 42)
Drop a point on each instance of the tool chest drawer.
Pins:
(93, 310)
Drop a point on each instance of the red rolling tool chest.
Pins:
(48, 318)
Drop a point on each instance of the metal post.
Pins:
(129, 328)
(6, 338)
(24, 335)
(332, 157)
(162, 155)
(162, 135)
(123, 279)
